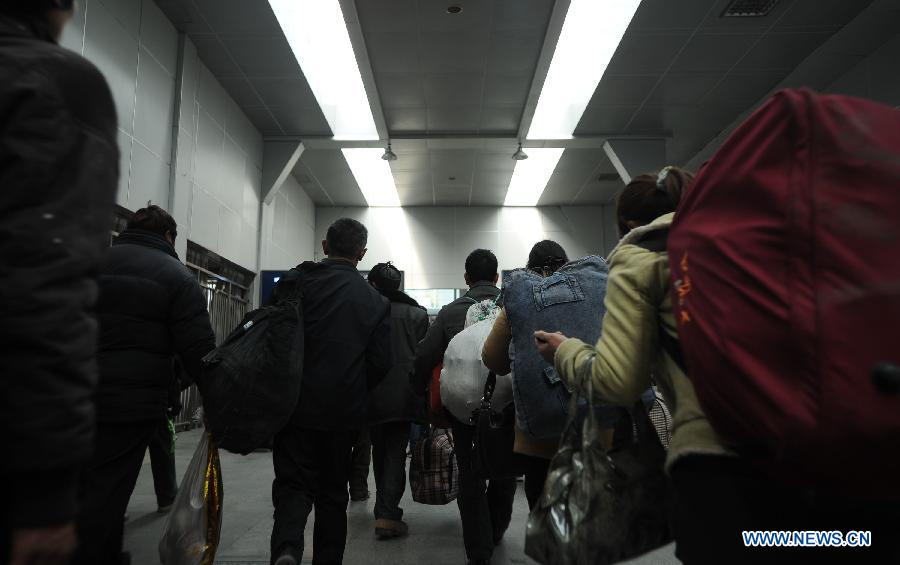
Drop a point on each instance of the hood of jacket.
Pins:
(637, 234)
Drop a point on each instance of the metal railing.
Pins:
(227, 306)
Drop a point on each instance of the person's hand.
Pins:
(43, 546)
(548, 343)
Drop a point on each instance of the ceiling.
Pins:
(455, 90)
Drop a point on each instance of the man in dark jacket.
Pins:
(151, 308)
(59, 168)
(347, 343)
(393, 405)
(485, 509)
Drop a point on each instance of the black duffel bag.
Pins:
(250, 384)
(495, 435)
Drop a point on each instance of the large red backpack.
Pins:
(785, 261)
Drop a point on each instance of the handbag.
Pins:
(191, 534)
(433, 471)
(600, 507)
(494, 438)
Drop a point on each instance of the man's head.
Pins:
(481, 266)
(156, 220)
(385, 276)
(346, 239)
(48, 15)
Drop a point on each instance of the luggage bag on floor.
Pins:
(433, 471)
(785, 261)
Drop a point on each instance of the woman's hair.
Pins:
(546, 257)
(648, 197)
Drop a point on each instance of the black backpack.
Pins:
(251, 383)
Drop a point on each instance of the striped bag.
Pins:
(433, 472)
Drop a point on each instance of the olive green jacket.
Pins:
(628, 355)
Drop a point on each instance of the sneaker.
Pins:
(387, 529)
(286, 559)
(288, 556)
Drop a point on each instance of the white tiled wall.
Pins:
(219, 167)
(431, 244)
(136, 48)
(876, 77)
(218, 164)
(288, 232)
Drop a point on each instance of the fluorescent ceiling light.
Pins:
(373, 175)
(531, 175)
(318, 36)
(590, 35)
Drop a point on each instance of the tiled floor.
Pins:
(435, 532)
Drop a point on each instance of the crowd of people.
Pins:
(96, 338)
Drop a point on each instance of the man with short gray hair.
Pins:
(347, 343)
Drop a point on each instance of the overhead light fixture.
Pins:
(388, 154)
(318, 36)
(520, 155)
(530, 177)
(590, 27)
(373, 175)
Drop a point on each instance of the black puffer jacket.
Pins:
(347, 345)
(151, 308)
(59, 167)
(394, 400)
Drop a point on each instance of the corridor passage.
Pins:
(434, 539)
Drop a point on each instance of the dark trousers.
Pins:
(485, 507)
(389, 443)
(716, 498)
(162, 463)
(312, 469)
(359, 467)
(106, 486)
(536, 469)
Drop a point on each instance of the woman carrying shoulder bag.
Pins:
(629, 353)
(545, 259)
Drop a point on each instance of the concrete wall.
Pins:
(136, 48)
(214, 190)
(288, 233)
(431, 243)
(219, 169)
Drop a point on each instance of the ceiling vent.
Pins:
(749, 8)
(608, 177)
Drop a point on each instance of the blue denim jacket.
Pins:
(571, 301)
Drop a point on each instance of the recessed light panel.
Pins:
(590, 36)
(317, 34)
(531, 175)
(373, 175)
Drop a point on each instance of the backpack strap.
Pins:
(657, 241)
(673, 347)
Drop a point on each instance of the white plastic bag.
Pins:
(191, 535)
(464, 375)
